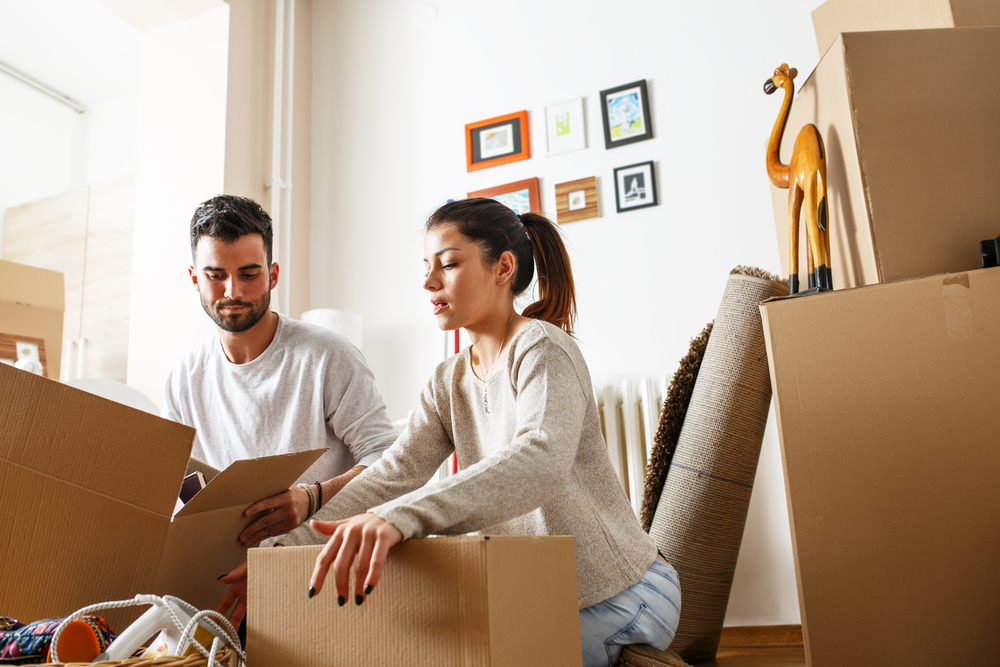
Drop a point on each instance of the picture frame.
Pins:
(565, 127)
(496, 141)
(635, 186)
(625, 110)
(577, 200)
(519, 196)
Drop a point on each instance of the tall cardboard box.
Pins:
(87, 490)
(910, 124)
(471, 601)
(32, 302)
(887, 401)
(836, 16)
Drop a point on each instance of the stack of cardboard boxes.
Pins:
(886, 395)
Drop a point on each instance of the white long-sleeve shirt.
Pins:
(310, 388)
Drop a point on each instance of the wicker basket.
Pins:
(225, 657)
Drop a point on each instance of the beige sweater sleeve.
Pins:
(406, 465)
(519, 476)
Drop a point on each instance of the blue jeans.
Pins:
(647, 613)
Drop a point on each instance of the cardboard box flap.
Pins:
(245, 482)
(35, 287)
(90, 442)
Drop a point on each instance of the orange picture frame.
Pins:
(496, 141)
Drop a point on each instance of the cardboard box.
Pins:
(87, 488)
(909, 120)
(32, 302)
(836, 16)
(452, 601)
(886, 399)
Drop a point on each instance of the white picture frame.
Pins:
(565, 127)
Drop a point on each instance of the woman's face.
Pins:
(462, 287)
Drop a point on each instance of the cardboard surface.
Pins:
(911, 166)
(88, 487)
(836, 16)
(32, 303)
(468, 601)
(886, 400)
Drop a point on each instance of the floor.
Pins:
(758, 657)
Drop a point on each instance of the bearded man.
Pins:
(267, 384)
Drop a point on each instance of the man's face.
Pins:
(234, 280)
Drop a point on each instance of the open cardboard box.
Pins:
(452, 601)
(87, 488)
(886, 399)
(836, 16)
(32, 303)
(909, 120)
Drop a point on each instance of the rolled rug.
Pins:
(699, 520)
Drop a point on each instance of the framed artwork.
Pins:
(520, 196)
(576, 200)
(564, 127)
(14, 348)
(626, 114)
(635, 186)
(496, 141)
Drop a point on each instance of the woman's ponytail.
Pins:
(557, 295)
(532, 239)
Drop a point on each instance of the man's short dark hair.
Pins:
(227, 218)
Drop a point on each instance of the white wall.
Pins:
(181, 159)
(82, 50)
(392, 93)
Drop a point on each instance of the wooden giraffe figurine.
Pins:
(805, 178)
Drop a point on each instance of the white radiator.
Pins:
(630, 413)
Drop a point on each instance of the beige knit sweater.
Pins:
(534, 464)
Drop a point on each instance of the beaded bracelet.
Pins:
(319, 492)
(312, 498)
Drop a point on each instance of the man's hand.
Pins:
(279, 514)
(237, 594)
(365, 538)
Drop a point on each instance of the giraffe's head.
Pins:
(783, 75)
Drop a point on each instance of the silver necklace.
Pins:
(486, 380)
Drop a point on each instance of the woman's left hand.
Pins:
(365, 538)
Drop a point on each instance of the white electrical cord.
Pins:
(215, 621)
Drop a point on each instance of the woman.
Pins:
(518, 408)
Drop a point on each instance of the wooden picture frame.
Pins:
(577, 200)
(625, 111)
(13, 348)
(635, 186)
(519, 196)
(496, 141)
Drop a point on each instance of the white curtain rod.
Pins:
(41, 87)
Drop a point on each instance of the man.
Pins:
(267, 384)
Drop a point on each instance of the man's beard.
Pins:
(242, 321)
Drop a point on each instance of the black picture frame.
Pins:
(635, 98)
(635, 186)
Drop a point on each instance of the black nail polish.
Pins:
(368, 589)
(341, 600)
(312, 591)
(220, 576)
(358, 600)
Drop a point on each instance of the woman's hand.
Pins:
(366, 538)
(279, 514)
(237, 593)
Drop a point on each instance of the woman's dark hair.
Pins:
(227, 218)
(532, 239)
